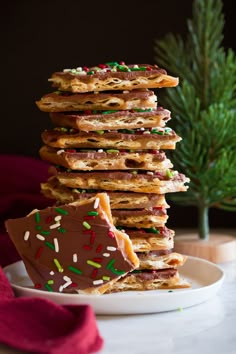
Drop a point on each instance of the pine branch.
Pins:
(203, 109)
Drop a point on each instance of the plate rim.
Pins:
(149, 293)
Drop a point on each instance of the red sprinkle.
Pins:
(49, 219)
(71, 150)
(73, 285)
(88, 111)
(87, 247)
(40, 250)
(99, 248)
(85, 68)
(99, 260)
(157, 208)
(92, 238)
(37, 286)
(122, 63)
(89, 217)
(111, 234)
(94, 273)
(102, 66)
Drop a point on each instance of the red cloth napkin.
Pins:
(20, 180)
(39, 325)
(36, 324)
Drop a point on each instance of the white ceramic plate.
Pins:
(205, 278)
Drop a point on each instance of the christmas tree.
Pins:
(203, 108)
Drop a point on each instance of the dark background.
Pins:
(40, 37)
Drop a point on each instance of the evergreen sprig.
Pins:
(203, 108)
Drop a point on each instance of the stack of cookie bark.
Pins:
(110, 136)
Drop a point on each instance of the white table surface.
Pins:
(202, 329)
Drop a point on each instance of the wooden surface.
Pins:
(221, 246)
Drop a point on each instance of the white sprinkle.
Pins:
(54, 226)
(66, 70)
(79, 68)
(142, 129)
(100, 150)
(96, 203)
(75, 258)
(135, 66)
(60, 151)
(147, 132)
(56, 245)
(97, 282)
(66, 284)
(150, 173)
(40, 237)
(52, 272)
(58, 218)
(66, 278)
(106, 254)
(96, 92)
(125, 91)
(111, 248)
(26, 235)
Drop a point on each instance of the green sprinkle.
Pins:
(75, 270)
(180, 309)
(152, 230)
(50, 282)
(109, 112)
(57, 264)
(142, 110)
(94, 264)
(48, 287)
(141, 68)
(112, 269)
(93, 213)
(90, 72)
(112, 63)
(123, 68)
(134, 172)
(50, 245)
(45, 233)
(112, 151)
(60, 229)
(86, 225)
(100, 132)
(169, 174)
(37, 217)
(38, 227)
(119, 227)
(155, 131)
(62, 211)
(106, 278)
(170, 291)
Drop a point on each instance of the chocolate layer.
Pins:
(123, 75)
(69, 247)
(151, 274)
(126, 139)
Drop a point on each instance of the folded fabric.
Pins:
(38, 325)
(20, 180)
